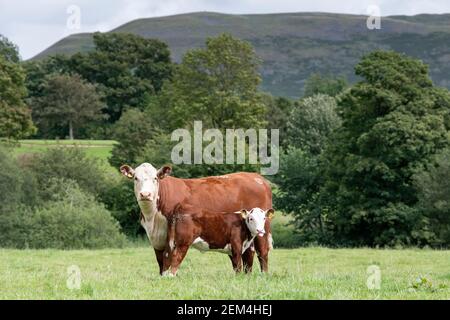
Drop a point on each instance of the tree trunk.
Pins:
(70, 130)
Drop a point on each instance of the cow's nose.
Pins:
(145, 195)
(261, 232)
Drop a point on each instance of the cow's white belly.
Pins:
(156, 230)
(203, 246)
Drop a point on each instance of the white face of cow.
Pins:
(255, 220)
(146, 180)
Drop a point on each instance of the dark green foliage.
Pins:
(15, 117)
(37, 73)
(217, 85)
(284, 233)
(127, 68)
(393, 122)
(69, 163)
(277, 116)
(434, 198)
(119, 199)
(73, 220)
(299, 181)
(18, 185)
(67, 101)
(42, 206)
(311, 122)
(329, 85)
(132, 132)
(9, 50)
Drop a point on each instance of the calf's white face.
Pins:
(146, 180)
(255, 220)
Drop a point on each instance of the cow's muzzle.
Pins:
(145, 196)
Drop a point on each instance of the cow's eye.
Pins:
(135, 178)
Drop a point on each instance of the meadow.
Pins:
(100, 149)
(132, 273)
(307, 273)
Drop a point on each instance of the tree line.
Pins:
(363, 164)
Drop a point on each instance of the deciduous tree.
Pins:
(68, 100)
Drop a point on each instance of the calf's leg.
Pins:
(262, 250)
(236, 258)
(247, 259)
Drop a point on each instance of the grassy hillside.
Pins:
(294, 45)
(312, 273)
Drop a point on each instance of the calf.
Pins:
(231, 233)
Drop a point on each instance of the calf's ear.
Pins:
(270, 213)
(164, 172)
(244, 214)
(127, 171)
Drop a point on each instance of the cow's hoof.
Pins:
(168, 274)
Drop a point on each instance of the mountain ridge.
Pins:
(294, 45)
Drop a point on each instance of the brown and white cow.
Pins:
(231, 233)
(158, 193)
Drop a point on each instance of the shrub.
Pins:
(17, 186)
(120, 201)
(283, 232)
(72, 220)
(131, 132)
(71, 164)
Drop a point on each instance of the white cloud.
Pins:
(38, 24)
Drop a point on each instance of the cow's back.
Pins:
(227, 193)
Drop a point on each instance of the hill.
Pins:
(294, 45)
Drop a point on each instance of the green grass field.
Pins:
(100, 149)
(310, 273)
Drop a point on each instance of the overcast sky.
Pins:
(35, 25)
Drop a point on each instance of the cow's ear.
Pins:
(164, 172)
(127, 171)
(270, 213)
(244, 214)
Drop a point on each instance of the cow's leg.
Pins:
(247, 259)
(177, 257)
(160, 259)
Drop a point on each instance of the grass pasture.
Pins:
(309, 273)
(100, 149)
